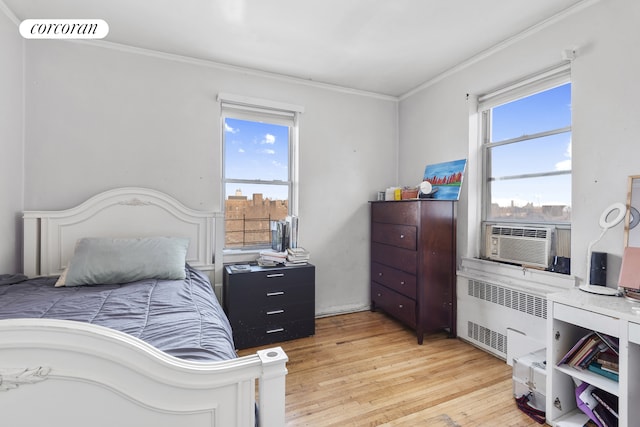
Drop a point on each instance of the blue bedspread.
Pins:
(180, 317)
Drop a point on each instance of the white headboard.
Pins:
(50, 236)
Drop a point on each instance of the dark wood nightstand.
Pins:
(269, 304)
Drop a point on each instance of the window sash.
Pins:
(260, 110)
(547, 79)
(530, 85)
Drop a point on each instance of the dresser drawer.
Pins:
(395, 304)
(397, 280)
(392, 256)
(395, 212)
(403, 236)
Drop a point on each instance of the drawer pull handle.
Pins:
(269, 313)
(273, 331)
(402, 282)
(270, 276)
(379, 294)
(400, 306)
(379, 274)
(402, 236)
(274, 294)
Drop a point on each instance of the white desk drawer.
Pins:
(587, 319)
(634, 332)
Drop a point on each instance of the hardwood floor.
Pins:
(366, 369)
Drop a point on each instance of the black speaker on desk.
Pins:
(598, 273)
(561, 265)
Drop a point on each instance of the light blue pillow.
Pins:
(99, 260)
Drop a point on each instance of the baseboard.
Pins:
(343, 310)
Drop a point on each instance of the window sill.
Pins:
(530, 279)
(232, 256)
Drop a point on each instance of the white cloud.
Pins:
(269, 151)
(240, 150)
(269, 139)
(229, 129)
(565, 165)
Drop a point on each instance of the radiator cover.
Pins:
(494, 299)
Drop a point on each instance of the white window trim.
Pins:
(535, 83)
(546, 79)
(276, 112)
(259, 103)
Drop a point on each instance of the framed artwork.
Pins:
(445, 179)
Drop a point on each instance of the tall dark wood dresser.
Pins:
(413, 262)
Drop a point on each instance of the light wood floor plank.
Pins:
(366, 369)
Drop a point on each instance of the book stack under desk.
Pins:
(597, 389)
(572, 315)
(586, 358)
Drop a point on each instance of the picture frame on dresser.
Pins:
(413, 262)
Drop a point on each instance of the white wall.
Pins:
(435, 123)
(98, 118)
(11, 146)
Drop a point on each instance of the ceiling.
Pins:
(387, 47)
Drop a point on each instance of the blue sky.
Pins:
(541, 112)
(260, 150)
(255, 150)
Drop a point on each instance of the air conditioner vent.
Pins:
(521, 245)
(536, 233)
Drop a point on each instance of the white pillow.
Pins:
(103, 260)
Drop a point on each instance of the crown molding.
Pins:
(233, 68)
(501, 46)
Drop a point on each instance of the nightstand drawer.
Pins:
(403, 236)
(398, 280)
(395, 304)
(247, 298)
(252, 337)
(273, 315)
(271, 280)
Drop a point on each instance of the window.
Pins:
(526, 134)
(259, 143)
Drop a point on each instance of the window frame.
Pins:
(539, 82)
(266, 111)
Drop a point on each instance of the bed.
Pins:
(85, 343)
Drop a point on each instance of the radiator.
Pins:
(504, 312)
(486, 311)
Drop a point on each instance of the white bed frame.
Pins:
(63, 373)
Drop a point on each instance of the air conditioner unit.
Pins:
(524, 245)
